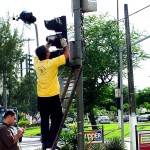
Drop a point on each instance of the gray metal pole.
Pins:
(4, 91)
(120, 87)
(141, 40)
(37, 37)
(78, 61)
(121, 93)
(132, 119)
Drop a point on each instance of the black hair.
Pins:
(9, 112)
(41, 52)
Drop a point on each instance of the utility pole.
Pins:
(4, 90)
(120, 85)
(36, 32)
(78, 61)
(132, 119)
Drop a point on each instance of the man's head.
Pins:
(42, 52)
(10, 117)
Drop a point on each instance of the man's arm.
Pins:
(66, 52)
(17, 136)
(65, 47)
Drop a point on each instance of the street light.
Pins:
(28, 18)
(120, 86)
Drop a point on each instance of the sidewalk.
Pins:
(127, 142)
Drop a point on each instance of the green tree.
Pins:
(101, 64)
(25, 97)
(143, 97)
(10, 54)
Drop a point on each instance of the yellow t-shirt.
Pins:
(47, 71)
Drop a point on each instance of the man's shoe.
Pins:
(58, 148)
(44, 146)
(49, 145)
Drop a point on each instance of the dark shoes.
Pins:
(48, 145)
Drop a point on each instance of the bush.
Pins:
(112, 144)
(23, 123)
(94, 147)
(69, 139)
(115, 144)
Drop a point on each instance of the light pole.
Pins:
(78, 61)
(120, 83)
(28, 18)
(132, 119)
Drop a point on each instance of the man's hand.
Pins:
(48, 45)
(63, 42)
(19, 133)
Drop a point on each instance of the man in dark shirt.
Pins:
(9, 140)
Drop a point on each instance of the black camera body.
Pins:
(56, 53)
(54, 40)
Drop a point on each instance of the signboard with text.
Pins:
(93, 136)
(143, 140)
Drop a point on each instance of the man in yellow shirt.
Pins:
(48, 91)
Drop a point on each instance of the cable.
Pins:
(136, 12)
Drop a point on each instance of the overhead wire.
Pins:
(136, 12)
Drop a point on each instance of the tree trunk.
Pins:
(92, 119)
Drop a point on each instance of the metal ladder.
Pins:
(73, 70)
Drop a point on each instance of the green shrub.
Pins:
(94, 147)
(112, 144)
(115, 144)
(23, 123)
(69, 138)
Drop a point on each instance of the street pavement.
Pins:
(31, 143)
(34, 143)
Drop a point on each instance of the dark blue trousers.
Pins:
(50, 109)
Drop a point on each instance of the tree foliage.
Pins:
(10, 54)
(102, 42)
(143, 97)
(25, 95)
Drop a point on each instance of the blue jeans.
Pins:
(50, 108)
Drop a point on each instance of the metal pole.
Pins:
(21, 71)
(141, 40)
(78, 61)
(120, 87)
(4, 91)
(121, 94)
(37, 37)
(132, 119)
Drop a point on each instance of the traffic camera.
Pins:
(60, 27)
(54, 40)
(27, 17)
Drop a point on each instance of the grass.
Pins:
(110, 130)
(32, 131)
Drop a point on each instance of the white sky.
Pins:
(48, 9)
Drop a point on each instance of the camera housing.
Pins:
(54, 40)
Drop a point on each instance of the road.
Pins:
(34, 143)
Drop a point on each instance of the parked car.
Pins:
(125, 118)
(103, 119)
(69, 120)
(144, 117)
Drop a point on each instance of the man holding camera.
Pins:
(48, 91)
(8, 138)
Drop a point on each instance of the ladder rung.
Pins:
(70, 98)
(65, 97)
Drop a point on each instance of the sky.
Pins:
(48, 9)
